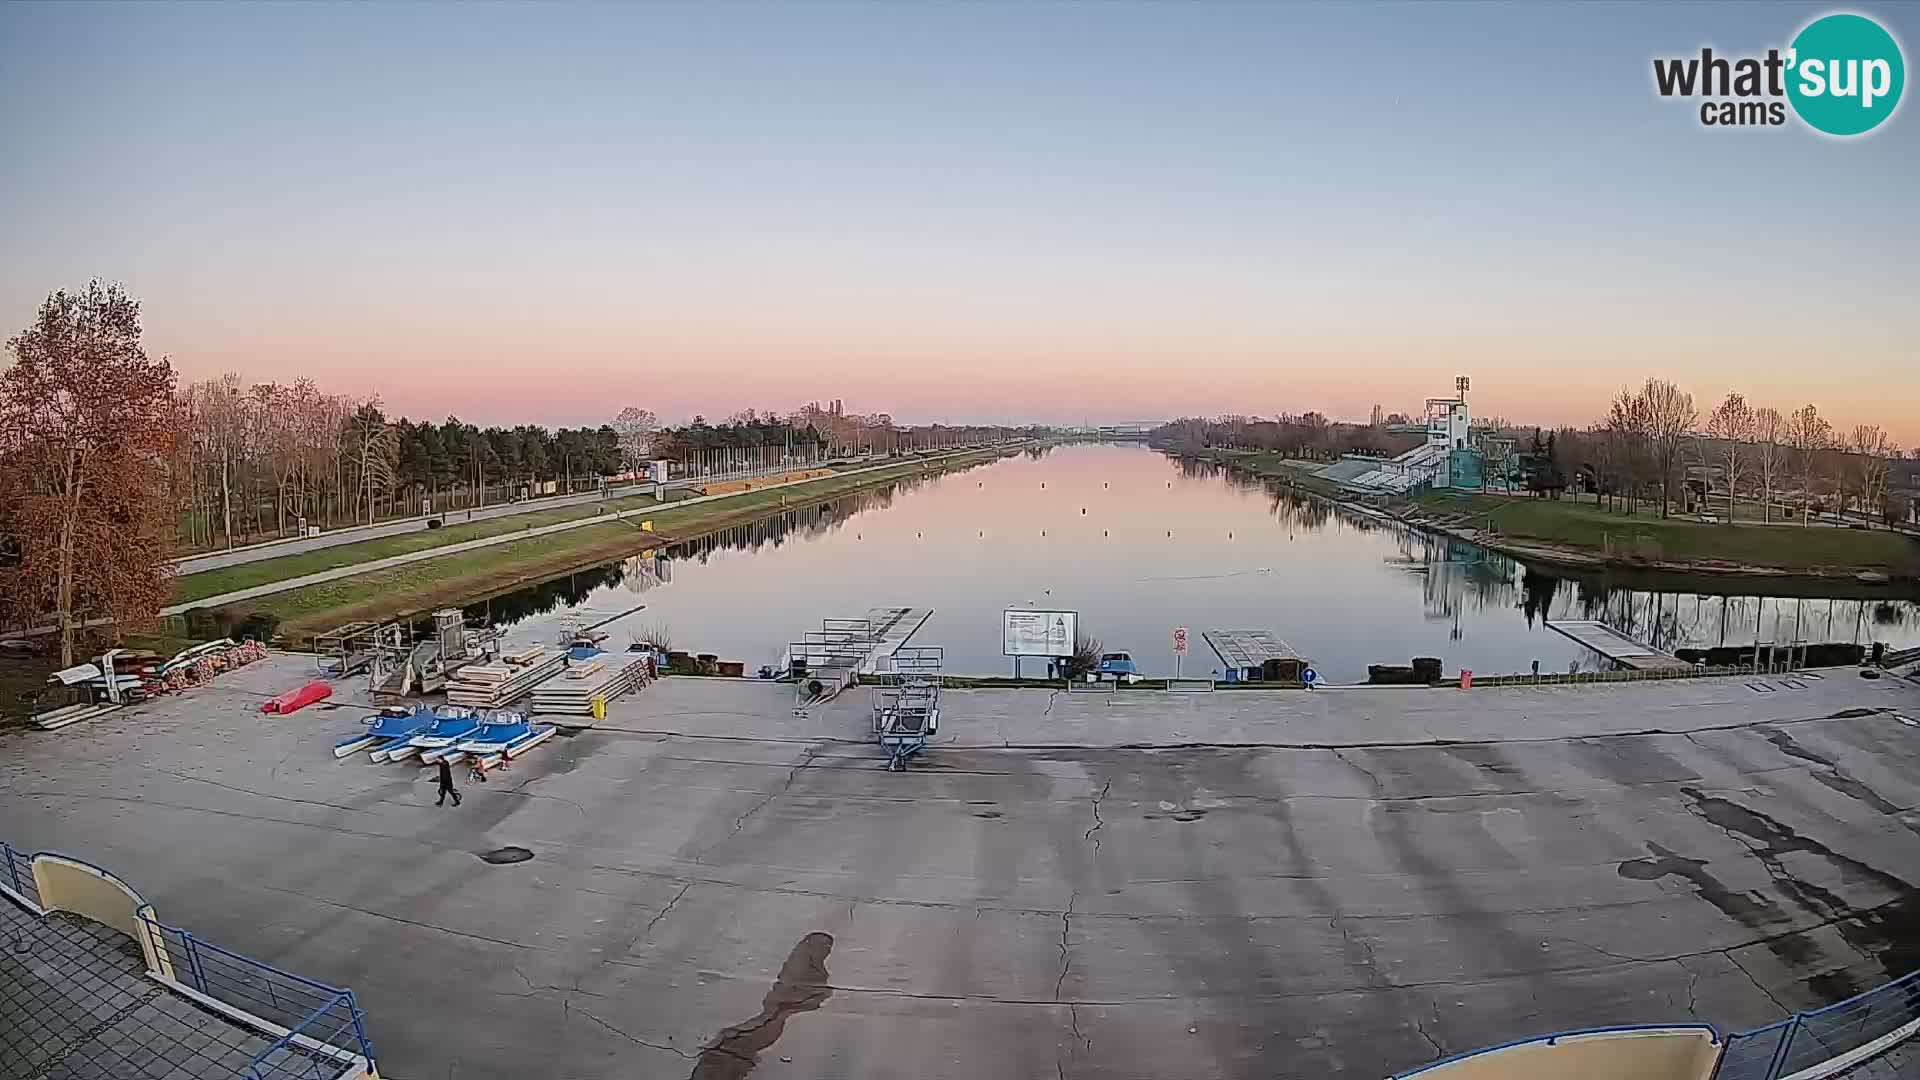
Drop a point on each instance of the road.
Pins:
(194, 564)
(388, 562)
(352, 534)
(1242, 884)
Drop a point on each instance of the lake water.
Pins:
(1139, 543)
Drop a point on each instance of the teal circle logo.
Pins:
(1845, 74)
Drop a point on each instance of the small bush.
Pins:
(256, 626)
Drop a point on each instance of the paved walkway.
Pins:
(1900, 1063)
(75, 1004)
(338, 572)
(353, 534)
(1279, 884)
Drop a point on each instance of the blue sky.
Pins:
(1041, 211)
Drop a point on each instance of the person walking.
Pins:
(446, 785)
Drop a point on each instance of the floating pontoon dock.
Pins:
(1253, 650)
(1618, 647)
(843, 649)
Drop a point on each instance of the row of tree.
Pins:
(256, 460)
(1307, 435)
(1653, 447)
(108, 467)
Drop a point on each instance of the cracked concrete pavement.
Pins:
(1068, 886)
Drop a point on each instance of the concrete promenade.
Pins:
(1242, 884)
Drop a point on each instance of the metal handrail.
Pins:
(299, 1006)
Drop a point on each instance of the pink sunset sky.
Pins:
(1047, 214)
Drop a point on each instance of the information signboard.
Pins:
(1039, 633)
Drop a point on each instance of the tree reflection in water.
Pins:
(1461, 576)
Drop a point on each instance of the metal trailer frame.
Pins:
(345, 650)
(830, 656)
(905, 719)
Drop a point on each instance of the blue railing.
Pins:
(324, 1023)
(1809, 1039)
(17, 873)
(325, 1034)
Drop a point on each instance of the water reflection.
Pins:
(1139, 543)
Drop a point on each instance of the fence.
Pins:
(316, 1031)
(1625, 675)
(1823, 1042)
(17, 874)
(324, 1025)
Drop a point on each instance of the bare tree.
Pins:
(86, 432)
(1627, 429)
(1732, 423)
(375, 448)
(1808, 433)
(1869, 467)
(1670, 416)
(636, 428)
(1769, 455)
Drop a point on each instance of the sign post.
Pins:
(1179, 649)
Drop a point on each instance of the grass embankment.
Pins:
(246, 575)
(460, 578)
(1273, 464)
(1590, 531)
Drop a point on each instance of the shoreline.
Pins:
(1861, 581)
(469, 577)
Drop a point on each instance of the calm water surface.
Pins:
(1139, 543)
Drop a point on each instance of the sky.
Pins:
(1019, 212)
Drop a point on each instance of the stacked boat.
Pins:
(450, 734)
(592, 675)
(491, 686)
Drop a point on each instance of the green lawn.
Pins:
(227, 579)
(1583, 525)
(460, 577)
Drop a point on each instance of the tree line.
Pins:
(256, 460)
(1652, 448)
(1655, 447)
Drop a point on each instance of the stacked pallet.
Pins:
(491, 686)
(604, 676)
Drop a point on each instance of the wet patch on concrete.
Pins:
(1832, 775)
(506, 855)
(1774, 840)
(1889, 933)
(1748, 909)
(801, 987)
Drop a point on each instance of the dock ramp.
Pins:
(1618, 647)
